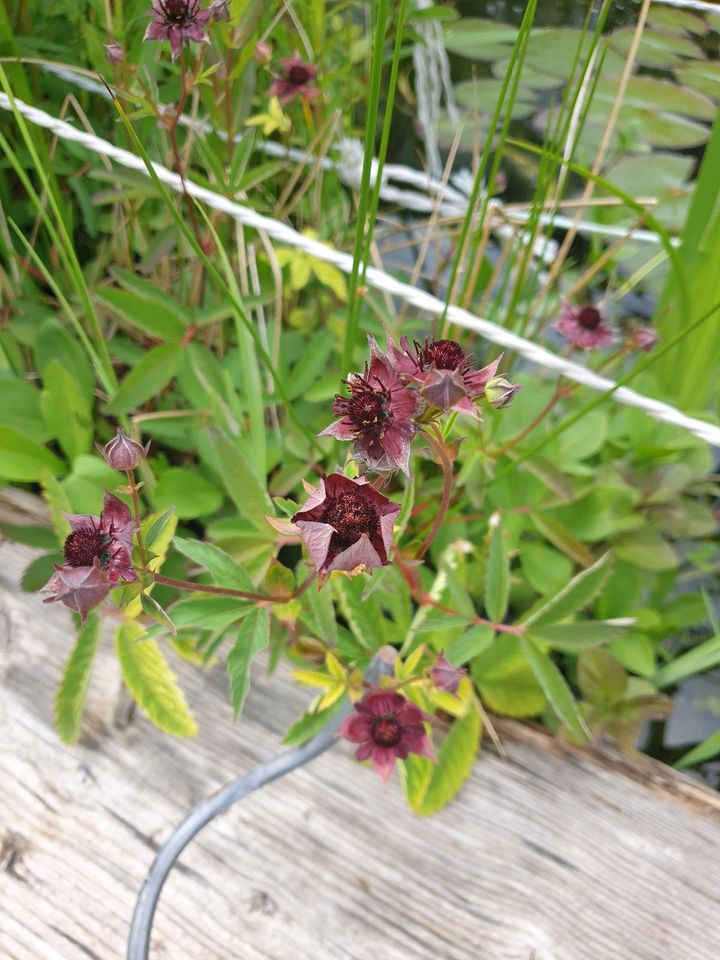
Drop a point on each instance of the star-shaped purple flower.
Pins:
(584, 327)
(346, 525)
(296, 80)
(178, 21)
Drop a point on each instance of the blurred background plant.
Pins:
(121, 304)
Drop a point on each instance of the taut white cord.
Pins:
(374, 277)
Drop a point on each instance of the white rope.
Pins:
(454, 195)
(690, 5)
(376, 278)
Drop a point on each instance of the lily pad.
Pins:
(656, 49)
(483, 95)
(553, 52)
(704, 77)
(665, 177)
(652, 94)
(674, 20)
(532, 76)
(480, 39)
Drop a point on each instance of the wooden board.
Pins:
(552, 854)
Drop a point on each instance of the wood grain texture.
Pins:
(552, 854)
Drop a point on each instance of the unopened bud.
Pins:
(114, 53)
(499, 392)
(123, 453)
(219, 10)
(644, 339)
(262, 53)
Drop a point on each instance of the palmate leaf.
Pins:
(70, 697)
(456, 756)
(151, 682)
(253, 636)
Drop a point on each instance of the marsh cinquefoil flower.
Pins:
(377, 416)
(346, 525)
(178, 21)
(443, 373)
(388, 728)
(97, 553)
(296, 80)
(584, 327)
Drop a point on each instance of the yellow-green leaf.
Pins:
(455, 761)
(70, 698)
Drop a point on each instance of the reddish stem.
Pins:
(229, 592)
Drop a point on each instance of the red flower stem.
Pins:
(228, 591)
(438, 445)
(136, 512)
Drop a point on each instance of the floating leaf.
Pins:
(70, 697)
(151, 682)
(253, 636)
(656, 49)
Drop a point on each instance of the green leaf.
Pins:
(546, 569)
(70, 697)
(67, 411)
(148, 377)
(555, 688)
(153, 609)
(497, 575)
(158, 530)
(454, 764)
(601, 678)
(572, 637)
(700, 658)
(505, 681)
(54, 342)
(148, 315)
(212, 613)
(646, 549)
(37, 573)
(20, 408)
(468, 646)
(23, 460)
(310, 723)
(31, 536)
(701, 752)
(221, 567)
(581, 590)
(253, 636)
(240, 480)
(57, 502)
(151, 682)
(188, 491)
(415, 773)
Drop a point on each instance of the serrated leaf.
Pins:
(578, 593)
(454, 764)
(31, 536)
(143, 313)
(221, 567)
(70, 697)
(310, 723)
(571, 637)
(497, 575)
(555, 688)
(153, 609)
(147, 378)
(241, 482)
(468, 646)
(415, 773)
(158, 530)
(150, 680)
(212, 613)
(67, 411)
(253, 636)
(37, 573)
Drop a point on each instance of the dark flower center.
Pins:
(179, 13)
(445, 354)
(84, 545)
(352, 514)
(589, 318)
(298, 75)
(386, 730)
(366, 406)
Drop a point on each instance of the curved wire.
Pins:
(207, 810)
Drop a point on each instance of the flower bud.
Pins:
(262, 53)
(123, 453)
(219, 10)
(644, 338)
(114, 53)
(499, 392)
(445, 676)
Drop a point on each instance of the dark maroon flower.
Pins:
(442, 372)
(296, 80)
(346, 524)
(584, 327)
(178, 21)
(377, 416)
(445, 676)
(98, 554)
(644, 338)
(123, 453)
(114, 53)
(388, 728)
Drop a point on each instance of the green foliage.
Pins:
(70, 697)
(252, 637)
(151, 682)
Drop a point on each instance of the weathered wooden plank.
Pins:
(552, 854)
